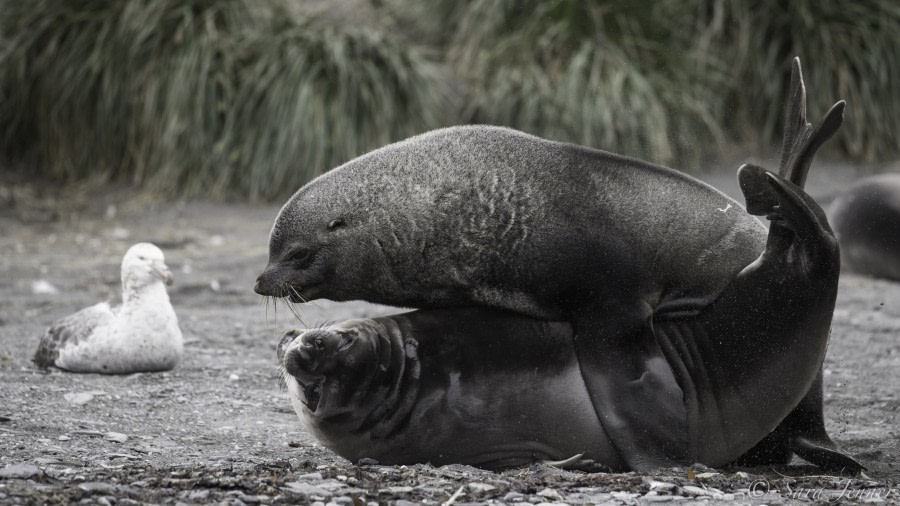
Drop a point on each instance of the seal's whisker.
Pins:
(305, 300)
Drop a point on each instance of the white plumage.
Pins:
(140, 335)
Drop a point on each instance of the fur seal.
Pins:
(867, 222)
(492, 217)
(140, 335)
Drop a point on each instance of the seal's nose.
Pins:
(258, 287)
(298, 362)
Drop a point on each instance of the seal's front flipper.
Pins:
(634, 391)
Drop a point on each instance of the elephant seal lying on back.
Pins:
(491, 217)
(867, 222)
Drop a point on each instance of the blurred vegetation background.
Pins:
(250, 98)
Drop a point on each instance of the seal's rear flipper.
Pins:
(802, 432)
(634, 392)
(800, 140)
(824, 456)
(798, 222)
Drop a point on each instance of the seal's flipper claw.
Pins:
(800, 212)
(627, 377)
(577, 463)
(758, 195)
(824, 456)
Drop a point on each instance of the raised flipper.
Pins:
(634, 392)
(800, 140)
(803, 431)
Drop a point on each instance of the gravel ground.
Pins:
(219, 428)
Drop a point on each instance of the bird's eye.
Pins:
(142, 258)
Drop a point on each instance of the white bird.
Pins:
(140, 335)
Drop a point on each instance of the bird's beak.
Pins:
(162, 271)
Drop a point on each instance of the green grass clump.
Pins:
(205, 97)
(849, 50)
(252, 98)
(584, 72)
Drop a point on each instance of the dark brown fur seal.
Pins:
(492, 217)
(867, 221)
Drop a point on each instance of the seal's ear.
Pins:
(286, 341)
(336, 223)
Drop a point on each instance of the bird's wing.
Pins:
(71, 330)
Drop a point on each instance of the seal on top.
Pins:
(140, 335)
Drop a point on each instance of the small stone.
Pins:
(365, 461)
(214, 285)
(234, 377)
(549, 493)
(64, 438)
(80, 398)
(397, 490)
(198, 495)
(480, 487)
(95, 487)
(661, 485)
(19, 471)
(708, 475)
(120, 233)
(654, 497)
(254, 499)
(118, 437)
(306, 489)
(310, 476)
(43, 287)
(514, 497)
(689, 489)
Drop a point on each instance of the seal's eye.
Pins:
(338, 223)
(302, 256)
(320, 343)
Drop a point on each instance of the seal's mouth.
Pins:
(300, 295)
(313, 394)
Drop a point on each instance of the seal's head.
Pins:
(304, 248)
(330, 366)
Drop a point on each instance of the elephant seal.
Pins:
(866, 220)
(475, 386)
(492, 217)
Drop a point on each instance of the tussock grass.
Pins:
(252, 98)
(849, 50)
(585, 72)
(205, 97)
